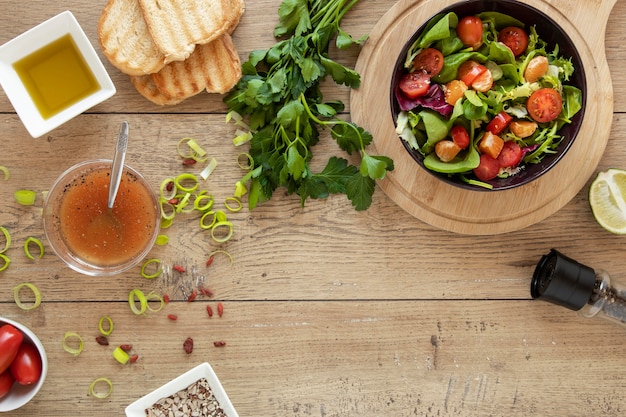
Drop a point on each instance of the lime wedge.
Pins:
(607, 197)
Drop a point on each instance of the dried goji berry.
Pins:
(209, 311)
(192, 296)
(210, 261)
(220, 309)
(173, 201)
(102, 340)
(166, 298)
(188, 345)
(133, 358)
(189, 161)
(170, 186)
(179, 268)
(219, 343)
(206, 292)
(172, 317)
(126, 348)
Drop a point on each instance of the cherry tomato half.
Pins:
(6, 382)
(510, 155)
(488, 169)
(10, 340)
(26, 367)
(470, 31)
(415, 84)
(460, 136)
(515, 38)
(469, 71)
(544, 105)
(429, 60)
(499, 123)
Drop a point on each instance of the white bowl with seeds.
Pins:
(197, 392)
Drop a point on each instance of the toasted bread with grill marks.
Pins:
(145, 86)
(125, 39)
(214, 67)
(177, 26)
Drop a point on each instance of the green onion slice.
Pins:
(221, 225)
(120, 355)
(5, 171)
(205, 226)
(196, 152)
(107, 329)
(206, 172)
(141, 298)
(165, 223)
(240, 189)
(5, 262)
(181, 207)
(237, 204)
(25, 197)
(97, 393)
(186, 178)
(230, 257)
(38, 243)
(152, 296)
(242, 137)
(16, 296)
(168, 211)
(162, 240)
(245, 161)
(163, 189)
(7, 239)
(149, 264)
(198, 202)
(73, 338)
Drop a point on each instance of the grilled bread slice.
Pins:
(214, 67)
(125, 39)
(177, 26)
(145, 86)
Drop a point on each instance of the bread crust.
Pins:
(125, 40)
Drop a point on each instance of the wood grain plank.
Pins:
(361, 358)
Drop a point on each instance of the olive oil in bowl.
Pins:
(56, 76)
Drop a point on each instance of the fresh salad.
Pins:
(481, 96)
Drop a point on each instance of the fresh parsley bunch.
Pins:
(280, 95)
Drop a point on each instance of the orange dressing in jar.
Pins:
(106, 243)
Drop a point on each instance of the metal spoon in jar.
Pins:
(106, 225)
(118, 163)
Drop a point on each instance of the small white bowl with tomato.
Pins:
(23, 365)
(488, 95)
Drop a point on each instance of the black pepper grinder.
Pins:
(565, 282)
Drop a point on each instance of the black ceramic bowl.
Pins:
(549, 31)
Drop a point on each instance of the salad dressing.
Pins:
(56, 76)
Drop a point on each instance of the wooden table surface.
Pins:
(327, 311)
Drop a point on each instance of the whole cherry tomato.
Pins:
(488, 169)
(470, 31)
(10, 341)
(6, 382)
(26, 367)
(510, 155)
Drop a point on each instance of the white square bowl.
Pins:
(204, 370)
(33, 40)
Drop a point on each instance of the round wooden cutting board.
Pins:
(484, 212)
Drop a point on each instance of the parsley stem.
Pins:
(333, 122)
